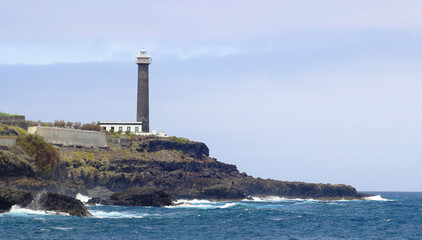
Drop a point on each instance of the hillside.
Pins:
(181, 167)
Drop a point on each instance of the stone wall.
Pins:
(14, 120)
(71, 137)
(7, 141)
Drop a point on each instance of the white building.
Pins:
(132, 127)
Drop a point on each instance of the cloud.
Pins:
(44, 31)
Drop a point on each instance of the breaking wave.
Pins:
(278, 199)
(63, 228)
(266, 199)
(202, 204)
(82, 198)
(16, 210)
(376, 198)
(114, 214)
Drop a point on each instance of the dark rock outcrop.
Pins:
(146, 197)
(196, 150)
(10, 197)
(46, 201)
(97, 200)
(62, 203)
(223, 192)
(14, 165)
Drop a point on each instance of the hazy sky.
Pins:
(315, 91)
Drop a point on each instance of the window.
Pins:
(120, 128)
(136, 129)
(112, 129)
(105, 128)
(128, 129)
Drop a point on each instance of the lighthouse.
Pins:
(143, 61)
(141, 126)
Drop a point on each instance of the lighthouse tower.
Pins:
(143, 61)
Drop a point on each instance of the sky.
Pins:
(324, 91)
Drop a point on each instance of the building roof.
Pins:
(120, 123)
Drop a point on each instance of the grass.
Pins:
(178, 139)
(2, 114)
(8, 130)
(83, 156)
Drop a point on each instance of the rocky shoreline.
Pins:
(180, 168)
(139, 197)
(44, 201)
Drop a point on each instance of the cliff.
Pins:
(178, 166)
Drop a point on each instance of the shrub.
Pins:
(8, 130)
(60, 124)
(45, 154)
(179, 139)
(7, 114)
(92, 126)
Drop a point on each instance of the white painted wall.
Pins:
(123, 126)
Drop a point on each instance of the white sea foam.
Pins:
(277, 199)
(40, 219)
(16, 210)
(266, 199)
(82, 198)
(376, 198)
(189, 205)
(193, 201)
(229, 205)
(113, 214)
(63, 228)
(203, 204)
(309, 200)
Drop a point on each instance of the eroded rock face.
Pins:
(223, 192)
(11, 165)
(10, 197)
(41, 201)
(141, 197)
(196, 150)
(177, 166)
(62, 203)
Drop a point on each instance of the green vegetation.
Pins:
(45, 154)
(83, 155)
(93, 126)
(179, 139)
(7, 114)
(113, 134)
(119, 134)
(8, 130)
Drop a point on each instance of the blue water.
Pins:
(399, 217)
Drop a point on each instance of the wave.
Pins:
(278, 199)
(203, 204)
(193, 201)
(376, 198)
(16, 210)
(82, 198)
(229, 205)
(63, 228)
(282, 199)
(114, 214)
(266, 199)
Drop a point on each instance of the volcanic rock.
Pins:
(141, 197)
(46, 201)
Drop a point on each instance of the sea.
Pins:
(387, 215)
